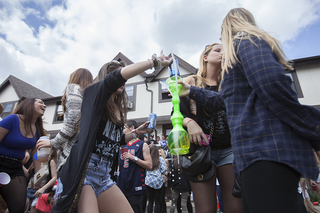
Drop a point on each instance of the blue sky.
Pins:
(43, 41)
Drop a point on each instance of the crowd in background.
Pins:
(240, 105)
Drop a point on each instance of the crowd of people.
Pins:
(240, 104)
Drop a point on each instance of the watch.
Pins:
(135, 159)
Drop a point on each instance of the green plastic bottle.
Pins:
(178, 139)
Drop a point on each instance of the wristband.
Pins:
(135, 159)
(156, 62)
(189, 121)
(151, 63)
(134, 134)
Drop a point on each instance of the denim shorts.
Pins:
(220, 157)
(97, 175)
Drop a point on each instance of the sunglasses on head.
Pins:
(113, 61)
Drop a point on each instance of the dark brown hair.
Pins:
(1, 108)
(154, 152)
(120, 101)
(26, 108)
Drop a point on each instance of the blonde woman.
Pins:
(202, 120)
(272, 134)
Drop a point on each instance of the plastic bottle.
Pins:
(178, 139)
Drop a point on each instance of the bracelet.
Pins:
(156, 62)
(134, 134)
(189, 121)
(151, 63)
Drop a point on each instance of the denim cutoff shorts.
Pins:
(220, 157)
(97, 175)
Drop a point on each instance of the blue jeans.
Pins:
(97, 175)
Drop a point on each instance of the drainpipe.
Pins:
(145, 81)
(151, 110)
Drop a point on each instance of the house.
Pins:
(147, 94)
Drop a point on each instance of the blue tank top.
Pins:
(14, 144)
(131, 175)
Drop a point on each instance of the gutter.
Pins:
(145, 81)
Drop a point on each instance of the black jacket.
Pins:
(73, 171)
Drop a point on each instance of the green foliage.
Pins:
(313, 196)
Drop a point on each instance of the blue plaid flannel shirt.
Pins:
(265, 118)
(154, 178)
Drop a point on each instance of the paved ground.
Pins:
(318, 208)
(169, 204)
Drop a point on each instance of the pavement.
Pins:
(169, 205)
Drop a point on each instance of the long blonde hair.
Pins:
(241, 20)
(202, 71)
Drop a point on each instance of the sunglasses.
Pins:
(113, 62)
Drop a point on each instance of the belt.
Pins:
(9, 158)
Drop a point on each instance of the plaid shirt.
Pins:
(154, 178)
(265, 118)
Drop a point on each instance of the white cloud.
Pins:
(90, 33)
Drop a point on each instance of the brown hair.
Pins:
(119, 101)
(26, 108)
(83, 78)
(154, 152)
(1, 108)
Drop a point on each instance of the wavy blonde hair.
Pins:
(202, 71)
(241, 20)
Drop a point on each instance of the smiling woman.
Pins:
(19, 132)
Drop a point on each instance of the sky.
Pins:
(43, 41)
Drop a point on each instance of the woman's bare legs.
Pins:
(204, 195)
(111, 200)
(88, 200)
(226, 179)
(205, 199)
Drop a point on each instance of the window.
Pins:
(130, 91)
(59, 110)
(295, 83)
(8, 109)
(164, 94)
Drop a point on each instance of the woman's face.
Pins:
(39, 107)
(215, 55)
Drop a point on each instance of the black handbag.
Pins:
(236, 190)
(198, 165)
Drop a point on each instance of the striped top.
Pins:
(67, 136)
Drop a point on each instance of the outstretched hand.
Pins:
(142, 129)
(164, 61)
(185, 89)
